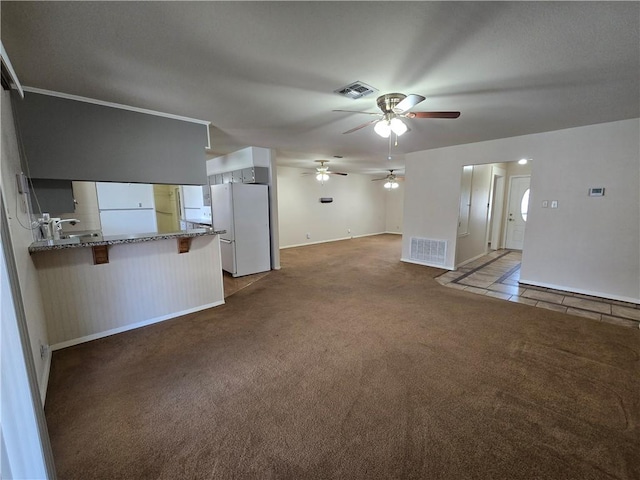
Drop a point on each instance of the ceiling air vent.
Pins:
(355, 90)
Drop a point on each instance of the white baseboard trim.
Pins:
(331, 240)
(406, 260)
(581, 291)
(133, 326)
(45, 377)
(394, 233)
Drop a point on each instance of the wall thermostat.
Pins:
(596, 192)
(326, 199)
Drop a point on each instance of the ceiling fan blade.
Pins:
(378, 179)
(357, 111)
(361, 126)
(432, 114)
(337, 173)
(408, 102)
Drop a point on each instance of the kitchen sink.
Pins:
(81, 235)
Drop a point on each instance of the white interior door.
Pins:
(517, 212)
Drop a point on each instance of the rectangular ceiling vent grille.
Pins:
(355, 90)
(428, 251)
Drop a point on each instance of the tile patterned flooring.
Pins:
(232, 285)
(497, 274)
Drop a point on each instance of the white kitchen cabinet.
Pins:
(126, 208)
(117, 196)
(192, 196)
(128, 221)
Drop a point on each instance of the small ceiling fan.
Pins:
(322, 172)
(391, 180)
(395, 106)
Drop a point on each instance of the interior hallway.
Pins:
(497, 274)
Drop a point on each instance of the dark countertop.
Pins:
(81, 242)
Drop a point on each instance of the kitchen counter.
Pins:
(93, 287)
(94, 241)
(198, 220)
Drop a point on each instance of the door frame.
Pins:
(495, 207)
(506, 213)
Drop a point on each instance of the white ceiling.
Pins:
(264, 72)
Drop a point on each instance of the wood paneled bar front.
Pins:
(146, 280)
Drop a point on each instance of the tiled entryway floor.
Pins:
(497, 274)
(232, 285)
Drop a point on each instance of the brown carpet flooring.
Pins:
(348, 364)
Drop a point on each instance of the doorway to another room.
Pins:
(494, 200)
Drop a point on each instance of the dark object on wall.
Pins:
(53, 196)
(326, 199)
(68, 139)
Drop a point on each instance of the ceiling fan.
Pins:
(322, 172)
(391, 180)
(394, 106)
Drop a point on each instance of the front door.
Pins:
(517, 212)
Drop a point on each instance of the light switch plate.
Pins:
(545, 204)
(554, 203)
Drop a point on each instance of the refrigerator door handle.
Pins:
(224, 240)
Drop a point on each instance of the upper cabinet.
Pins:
(245, 175)
(192, 196)
(117, 196)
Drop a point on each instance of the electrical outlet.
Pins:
(23, 183)
(348, 230)
(308, 235)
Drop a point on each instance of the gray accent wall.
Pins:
(68, 139)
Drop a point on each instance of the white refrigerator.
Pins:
(243, 211)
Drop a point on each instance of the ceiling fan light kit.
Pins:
(383, 128)
(323, 173)
(393, 107)
(391, 180)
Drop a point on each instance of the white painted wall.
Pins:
(21, 237)
(358, 208)
(587, 245)
(143, 283)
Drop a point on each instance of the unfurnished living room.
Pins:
(320, 240)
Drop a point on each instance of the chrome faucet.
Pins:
(72, 221)
(57, 225)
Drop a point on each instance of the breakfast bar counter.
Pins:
(97, 239)
(94, 286)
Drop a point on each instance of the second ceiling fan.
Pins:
(391, 180)
(395, 106)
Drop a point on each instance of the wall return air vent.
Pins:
(424, 250)
(355, 90)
